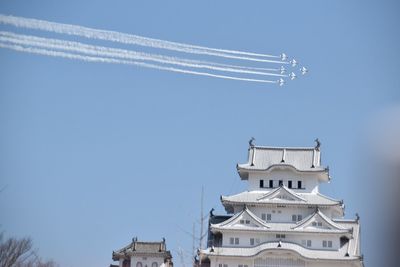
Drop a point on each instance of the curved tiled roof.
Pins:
(260, 223)
(258, 197)
(140, 248)
(267, 158)
(305, 253)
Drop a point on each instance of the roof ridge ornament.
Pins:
(251, 142)
(212, 212)
(318, 144)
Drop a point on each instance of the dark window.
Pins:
(299, 186)
(343, 241)
(290, 184)
(261, 183)
(271, 183)
(280, 182)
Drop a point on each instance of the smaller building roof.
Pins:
(262, 158)
(143, 249)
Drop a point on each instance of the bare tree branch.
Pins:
(18, 253)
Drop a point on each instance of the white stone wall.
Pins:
(316, 239)
(146, 261)
(284, 214)
(235, 262)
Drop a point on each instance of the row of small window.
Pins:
(254, 241)
(271, 184)
(244, 221)
(226, 265)
(139, 264)
(234, 240)
(319, 224)
(268, 216)
(325, 243)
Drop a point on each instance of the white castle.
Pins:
(282, 220)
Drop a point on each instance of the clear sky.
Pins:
(94, 154)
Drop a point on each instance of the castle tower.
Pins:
(282, 220)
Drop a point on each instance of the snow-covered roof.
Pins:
(282, 195)
(262, 158)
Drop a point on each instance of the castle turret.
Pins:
(282, 219)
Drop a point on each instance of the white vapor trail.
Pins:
(100, 51)
(134, 39)
(54, 53)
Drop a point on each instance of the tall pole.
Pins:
(201, 225)
(193, 240)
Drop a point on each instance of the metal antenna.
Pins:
(201, 225)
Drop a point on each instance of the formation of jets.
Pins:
(293, 63)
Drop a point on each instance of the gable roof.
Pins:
(319, 216)
(262, 158)
(348, 252)
(283, 192)
(260, 198)
(234, 221)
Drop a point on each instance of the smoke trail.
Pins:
(4, 33)
(119, 61)
(118, 53)
(132, 39)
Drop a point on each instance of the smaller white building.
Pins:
(143, 254)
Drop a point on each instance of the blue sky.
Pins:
(94, 154)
